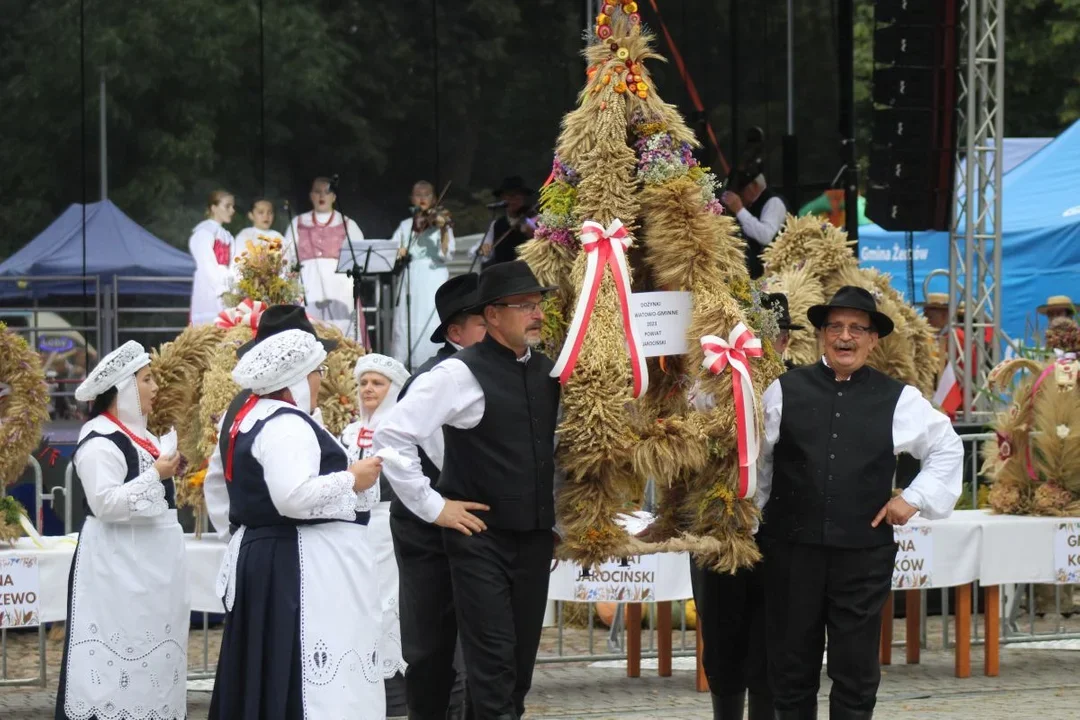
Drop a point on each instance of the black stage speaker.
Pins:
(913, 141)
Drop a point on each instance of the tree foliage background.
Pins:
(385, 92)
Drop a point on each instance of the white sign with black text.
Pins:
(661, 320)
(914, 566)
(19, 592)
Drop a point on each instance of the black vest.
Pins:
(753, 247)
(131, 457)
(506, 250)
(507, 461)
(834, 460)
(430, 471)
(250, 503)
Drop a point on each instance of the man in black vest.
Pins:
(429, 636)
(506, 233)
(832, 431)
(497, 405)
(759, 211)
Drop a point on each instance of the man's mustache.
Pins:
(844, 345)
(534, 326)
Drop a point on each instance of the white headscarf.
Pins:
(282, 362)
(117, 370)
(390, 369)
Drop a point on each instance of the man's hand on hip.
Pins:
(896, 512)
(456, 516)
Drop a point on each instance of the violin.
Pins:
(435, 216)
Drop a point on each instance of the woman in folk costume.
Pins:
(298, 580)
(428, 240)
(379, 380)
(212, 247)
(128, 601)
(314, 241)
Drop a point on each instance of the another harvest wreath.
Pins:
(23, 411)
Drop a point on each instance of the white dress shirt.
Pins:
(288, 450)
(448, 394)
(764, 230)
(917, 429)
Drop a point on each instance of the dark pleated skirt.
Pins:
(259, 672)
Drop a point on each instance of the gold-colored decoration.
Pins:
(24, 409)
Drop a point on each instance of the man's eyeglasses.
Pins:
(855, 331)
(528, 308)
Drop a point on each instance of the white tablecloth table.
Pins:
(54, 563)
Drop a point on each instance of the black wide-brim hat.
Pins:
(279, 318)
(455, 296)
(779, 304)
(507, 279)
(512, 184)
(852, 298)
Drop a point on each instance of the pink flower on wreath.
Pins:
(1004, 446)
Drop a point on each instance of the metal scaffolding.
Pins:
(975, 245)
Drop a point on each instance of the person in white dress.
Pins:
(379, 381)
(262, 222)
(314, 241)
(128, 599)
(429, 248)
(212, 247)
(298, 581)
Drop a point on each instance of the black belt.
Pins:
(362, 518)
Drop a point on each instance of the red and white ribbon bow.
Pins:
(246, 313)
(736, 351)
(604, 248)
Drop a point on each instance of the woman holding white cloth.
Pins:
(128, 600)
(303, 615)
(379, 379)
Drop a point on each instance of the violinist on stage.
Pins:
(506, 233)
(425, 244)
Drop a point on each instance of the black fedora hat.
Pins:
(852, 298)
(279, 318)
(455, 296)
(514, 183)
(506, 279)
(779, 304)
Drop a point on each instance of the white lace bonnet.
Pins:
(278, 362)
(386, 366)
(114, 368)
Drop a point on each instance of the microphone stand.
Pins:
(296, 249)
(354, 271)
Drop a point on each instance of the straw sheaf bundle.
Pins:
(609, 444)
(178, 368)
(1034, 461)
(24, 411)
(810, 256)
(803, 291)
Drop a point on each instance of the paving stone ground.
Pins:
(1033, 684)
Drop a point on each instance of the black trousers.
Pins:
(812, 589)
(731, 611)
(500, 580)
(429, 630)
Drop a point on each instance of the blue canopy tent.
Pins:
(1040, 237)
(116, 246)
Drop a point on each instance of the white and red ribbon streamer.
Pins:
(735, 352)
(604, 248)
(246, 313)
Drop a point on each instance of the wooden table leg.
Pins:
(886, 630)
(663, 639)
(993, 631)
(633, 640)
(913, 618)
(701, 682)
(963, 631)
